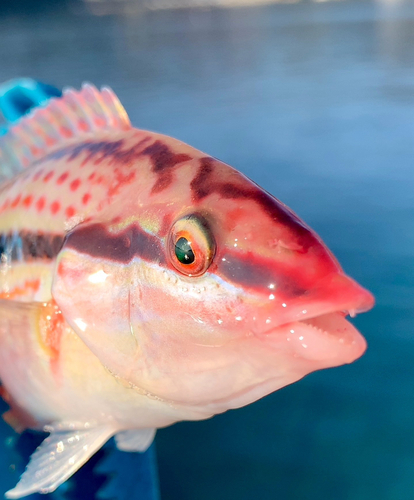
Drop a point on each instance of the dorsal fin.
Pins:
(76, 115)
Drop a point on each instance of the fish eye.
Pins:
(184, 252)
(191, 245)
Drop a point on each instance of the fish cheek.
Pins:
(94, 297)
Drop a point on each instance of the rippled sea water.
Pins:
(315, 102)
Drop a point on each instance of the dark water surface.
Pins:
(315, 102)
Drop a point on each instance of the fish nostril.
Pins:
(280, 245)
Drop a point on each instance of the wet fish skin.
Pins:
(104, 330)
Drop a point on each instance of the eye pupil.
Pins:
(184, 252)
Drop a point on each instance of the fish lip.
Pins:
(342, 312)
(362, 301)
(327, 339)
(310, 316)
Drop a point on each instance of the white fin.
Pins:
(57, 458)
(135, 439)
(75, 115)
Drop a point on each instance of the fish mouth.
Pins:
(315, 326)
(327, 337)
(300, 347)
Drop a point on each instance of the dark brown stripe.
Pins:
(98, 151)
(28, 245)
(255, 273)
(163, 161)
(204, 184)
(97, 241)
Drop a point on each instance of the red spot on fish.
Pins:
(55, 207)
(83, 126)
(49, 141)
(15, 202)
(40, 204)
(86, 198)
(99, 122)
(100, 179)
(75, 184)
(37, 174)
(35, 151)
(6, 204)
(27, 201)
(66, 132)
(70, 211)
(48, 176)
(61, 179)
(92, 176)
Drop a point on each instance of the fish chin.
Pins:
(300, 348)
(328, 339)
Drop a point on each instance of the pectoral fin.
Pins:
(59, 456)
(135, 439)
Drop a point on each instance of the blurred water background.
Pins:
(315, 102)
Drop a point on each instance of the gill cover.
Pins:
(97, 288)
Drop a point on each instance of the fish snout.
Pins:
(313, 327)
(335, 292)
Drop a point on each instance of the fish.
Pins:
(144, 282)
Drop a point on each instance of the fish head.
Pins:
(207, 292)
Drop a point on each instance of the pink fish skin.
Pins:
(144, 282)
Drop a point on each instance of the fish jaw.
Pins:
(316, 336)
(314, 325)
(326, 338)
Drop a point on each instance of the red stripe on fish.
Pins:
(51, 326)
(204, 185)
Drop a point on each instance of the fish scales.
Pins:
(69, 186)
(143, 282)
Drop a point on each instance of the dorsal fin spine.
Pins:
(63, 116)
(74, 101)
(76, 115)
(117, 111)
